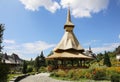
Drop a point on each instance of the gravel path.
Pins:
(42, 77)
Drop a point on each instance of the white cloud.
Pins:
(9, 41)
(34, 5)
(84, 8)
(36, 47)
(92, 42)
(26, 49)
(105, 47)
(119, 36)
(80, 8)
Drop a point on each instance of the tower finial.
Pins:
(68, 14)
(89, 47)
(68, 20)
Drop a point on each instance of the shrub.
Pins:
(76, 74)
(52, 74)
(61, 73)
(4, 70)
(88, 75)
(115, 77)
(29, 69)
(42, 69)
(70, 73)
(99, 74)
(112, 70)
(50, 68)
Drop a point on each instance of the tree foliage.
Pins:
(24, 70)
(37, 64)
(106, 61)
(4, 70)
(1, 36)
(40, 61)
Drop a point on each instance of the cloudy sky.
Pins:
(35, 25)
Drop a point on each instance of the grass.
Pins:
(10, 76)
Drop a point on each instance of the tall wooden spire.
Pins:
(69, 47)
(68, 25)
(69, 40)
(68, 16)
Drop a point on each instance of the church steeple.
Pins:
(68, 25)
(69, 40)
(68, 16)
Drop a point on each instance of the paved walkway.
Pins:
(42, 77)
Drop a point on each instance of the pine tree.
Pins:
(42, 59)
(1, 36)
(37, 63)
(106, 61)
(4, 69)
(24, 70)
(1, 39)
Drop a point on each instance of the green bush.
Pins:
(52, 74)
(61, 73)
(42, 69)
(29, 69)
(115, 77)
(75, 74)
(4, 70)
(58, 73)
(99, 75)
(70, 73)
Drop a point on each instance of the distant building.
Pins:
(90, 53)
(13, 61)
(118, 56)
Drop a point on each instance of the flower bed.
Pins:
(102, 73)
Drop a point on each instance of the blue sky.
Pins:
(35, 25)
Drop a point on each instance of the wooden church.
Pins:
(69, 53)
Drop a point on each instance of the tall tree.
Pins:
(4, 69)
(37, 63)
(1, 39)
(42, 59)
(1, 36)
(24, 70)
(106, 61)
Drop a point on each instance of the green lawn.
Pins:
(10, 76)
